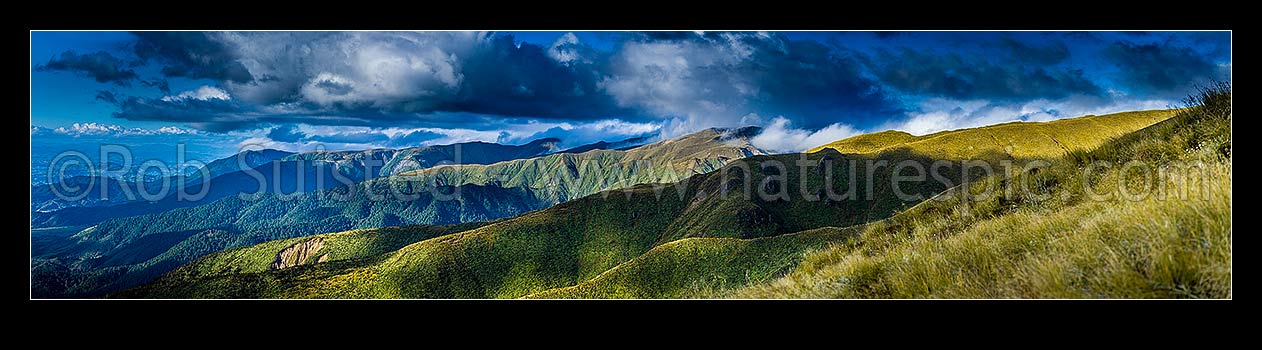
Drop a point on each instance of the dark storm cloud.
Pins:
(810, 81)
(681, 80)
(523, 80)
(1156, 68)
(193, 55)
(1053, 52)
(976, 77)
(388, 77)
(205, 114)
(100, 66)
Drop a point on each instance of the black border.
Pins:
(734, 316)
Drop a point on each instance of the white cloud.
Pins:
(779, 137)
(171, 130)
(376, 69)
(939, 114)
(98, 129)
(695, 83)
(203, 93)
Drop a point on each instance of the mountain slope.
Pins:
(250, 158)
(1023, 140)
(1165, 236)
(129, 243)
(578, 240)
(1023, 246)
(582, 240)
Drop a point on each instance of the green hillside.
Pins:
(578, 240)
(688, 242)
(119, 253)
(1021, 140)
(1062, 246)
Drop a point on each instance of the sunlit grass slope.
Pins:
(578, 240)
(1136, 244)
(1021, 140)
(353, 244)
(698, 267)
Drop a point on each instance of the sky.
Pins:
(301, 91)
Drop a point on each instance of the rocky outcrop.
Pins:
(298, 254)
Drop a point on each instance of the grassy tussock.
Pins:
(1170, 239)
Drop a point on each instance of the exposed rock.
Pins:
(299, 254)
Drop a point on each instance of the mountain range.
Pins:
(132, 245)
(657, 240)
(270, 171)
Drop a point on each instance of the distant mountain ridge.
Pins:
(45, 199)
(228, 179)
(393, 161)
(564, 176)
(123, 251)
(621, 145)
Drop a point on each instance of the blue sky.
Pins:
(354, 90)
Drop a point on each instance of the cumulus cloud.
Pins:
(780, 137)
(100, 66)
(366, 78)
(711, 79)
(375, 78)
(440, 87)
